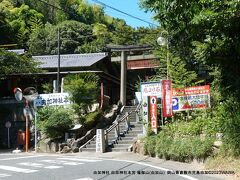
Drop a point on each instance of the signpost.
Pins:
(100, 141)
(8, 125)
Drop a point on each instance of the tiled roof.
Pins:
(69, 60)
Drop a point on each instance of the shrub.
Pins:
(55, 121)
(92, 118)
(229, 119)
(181, 142)
(149, 145)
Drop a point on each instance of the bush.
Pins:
(149, 145)
(180, 142)
(92, 118)
(229, 117)
(55, 121)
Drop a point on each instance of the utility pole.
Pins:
(58, 67)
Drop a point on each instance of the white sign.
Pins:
(151, 89)
(145, 114)
(52, 99)
(100, 141)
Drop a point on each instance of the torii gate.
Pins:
(124, 49)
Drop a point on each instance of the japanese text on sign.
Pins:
(151, 89)
(190, 98)
(167, 98)
(52, 99)
(153, 111)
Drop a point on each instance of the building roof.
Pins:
(69, 60)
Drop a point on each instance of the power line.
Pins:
(135, 17)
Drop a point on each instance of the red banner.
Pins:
(153, 111)
(167, 98)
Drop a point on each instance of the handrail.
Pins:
(87, 142)
(118, 122)
(138, 107)
(113, 126)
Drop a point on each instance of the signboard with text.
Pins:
(153, 113)
(167, 98)
(197, 97)
(151, 89)
(52, 99)
(142, 64)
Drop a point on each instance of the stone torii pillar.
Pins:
(125, 49)
(123, 85)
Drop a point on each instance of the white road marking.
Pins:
(61, 162)
(87, 178)
(78, 159)
(37, 165)
(4, 175)
(53, 167)
(156, 167)
(16, 169)
(23, 157)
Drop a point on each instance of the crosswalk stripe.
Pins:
(4, 175)
(78, 159)
(31, 164)
(61, 162)
(53, 167)
(16, 169)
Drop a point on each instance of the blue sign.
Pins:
(175, 104)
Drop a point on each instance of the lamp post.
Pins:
(163, 41)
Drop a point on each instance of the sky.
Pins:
(130, 7)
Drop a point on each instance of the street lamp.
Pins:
(163, 41)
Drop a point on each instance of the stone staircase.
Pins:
(128, 133)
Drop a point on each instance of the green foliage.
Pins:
(11, 63)
(199, 36)
(47, 88)
(92, 118)
(181, 144)
(149, 145)
(55, 121)
(83, 89)
(229, 117)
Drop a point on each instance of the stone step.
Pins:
(124, 141)
(91, 145)
(122, 149)
(122, 145)
(89, 149)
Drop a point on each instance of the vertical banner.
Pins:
(145, 113)
(153, 113)
(167, 98)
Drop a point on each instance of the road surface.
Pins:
(26, 166)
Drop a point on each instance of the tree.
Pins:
(199, 35)
(11, 63)
(24, 21)
(83, 89)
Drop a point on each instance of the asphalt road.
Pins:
(66, 167)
